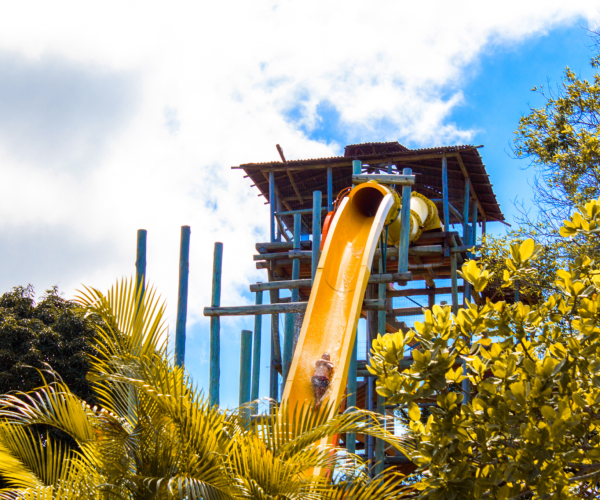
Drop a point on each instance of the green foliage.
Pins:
(516, 387)
(562, 141)
(54, 332)
(156, 436)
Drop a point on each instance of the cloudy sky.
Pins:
(116, 116)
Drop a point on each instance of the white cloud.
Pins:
(217, 84)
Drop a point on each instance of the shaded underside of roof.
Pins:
(296, 180)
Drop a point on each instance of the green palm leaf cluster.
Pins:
(155, 435)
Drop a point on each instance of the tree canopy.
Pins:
(514, 388)
(53, 332)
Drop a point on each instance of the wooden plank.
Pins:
(290, 307)
(400, 180)
(392, 252)
(406, 311)
(292, 254)
(473, 193)
(281, 246)
(414, 292)
(307, 283)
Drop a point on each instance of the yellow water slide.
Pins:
(338, 290)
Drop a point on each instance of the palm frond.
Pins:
(52, 404)
(134, 319)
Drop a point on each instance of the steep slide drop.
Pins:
(338, 291)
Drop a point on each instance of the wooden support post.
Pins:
(474, 222)
(289, 330)
(483, 221)
(404, 227)
(454, 277)
(280, 230)
(245, 366)
(316, 232)
(275, 364)
(272, 203)
(431, 296)
(351, 389)
(215, 328)
(356, 167)
(381, 320)
(446, 208)
(256, 350)
(184, 271)
(329, 189)
(288, 346)
(140, 261)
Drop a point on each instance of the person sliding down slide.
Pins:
(321, 378)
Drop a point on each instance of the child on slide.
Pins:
(321, 378)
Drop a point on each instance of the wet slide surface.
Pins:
(338, 291)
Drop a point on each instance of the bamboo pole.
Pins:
(256, 347)
(245, 366)
(215, 327)
(184, 271)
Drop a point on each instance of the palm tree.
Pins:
(155, 435)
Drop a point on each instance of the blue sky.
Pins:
(120, 116)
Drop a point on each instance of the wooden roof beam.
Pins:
(473, 193)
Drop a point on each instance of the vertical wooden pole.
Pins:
(288, 334)
(256, 350)
(431, 296)
(483, 221)
(215, 327)
(445, 193)
(275, 347)
(356, 167)
(272, 204)
(381, 320)
(454, 277)
(184, 271)
(329, 189)
(474, 223)
(316, 232)
(288, 345)
(245, 366)
(351, 389)
(404, 227)
(140, 261)
(279, 236)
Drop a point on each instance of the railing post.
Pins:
(256, 350)
(316, 232)
(404, 227)
(184, 271)
(245, 366)
(445, 193)
(215, 327)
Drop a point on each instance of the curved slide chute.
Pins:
(338, 291)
